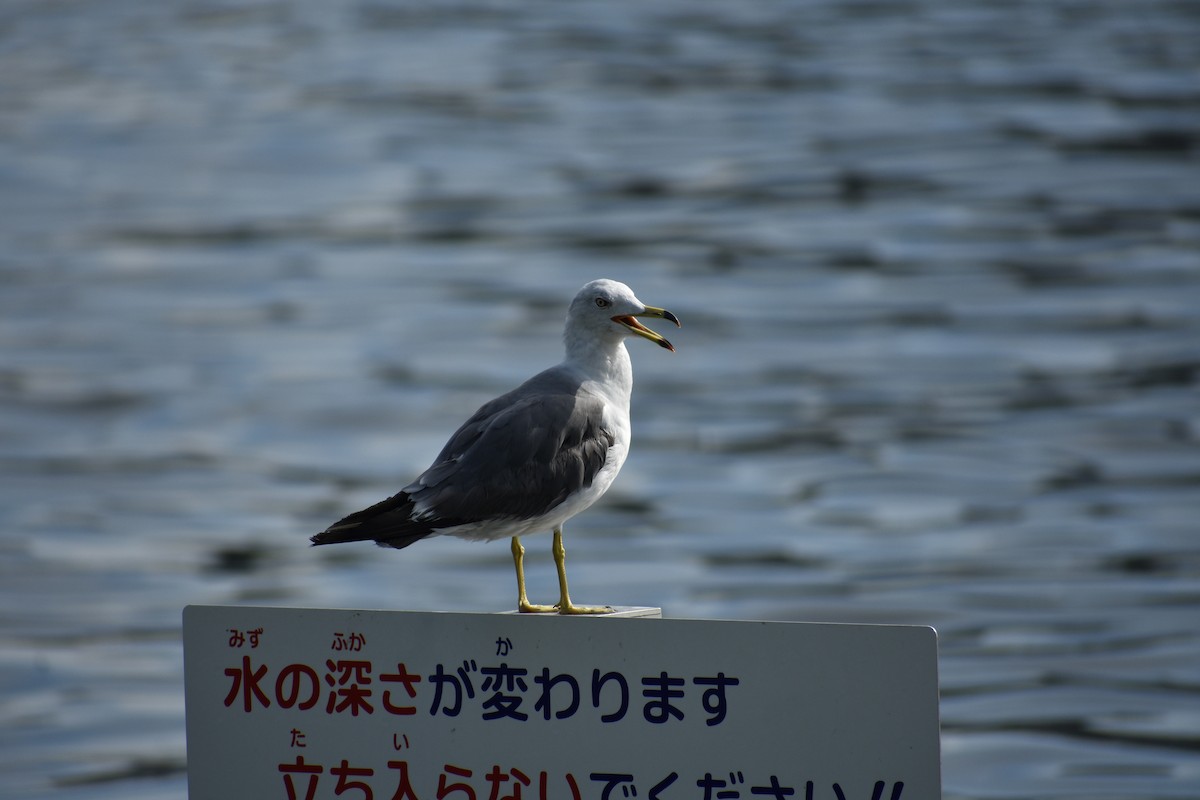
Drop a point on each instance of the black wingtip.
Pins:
(387, 523)
(335, 534)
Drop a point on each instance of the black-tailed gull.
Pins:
(531, 459)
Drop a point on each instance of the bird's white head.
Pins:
(607, 311)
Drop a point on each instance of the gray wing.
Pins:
(518, 457)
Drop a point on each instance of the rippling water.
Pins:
(939, 271)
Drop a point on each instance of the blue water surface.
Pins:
(938, 265)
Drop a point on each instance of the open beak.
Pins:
(630, 322)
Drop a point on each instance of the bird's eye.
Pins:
(602, 303)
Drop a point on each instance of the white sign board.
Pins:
(381, 705)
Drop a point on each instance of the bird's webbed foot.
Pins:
(526, 607)
(571, 608)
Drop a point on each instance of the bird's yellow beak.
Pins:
(630, 322)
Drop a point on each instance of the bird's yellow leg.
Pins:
(565, 606)
(523, 604)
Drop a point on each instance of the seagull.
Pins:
(533, 458)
